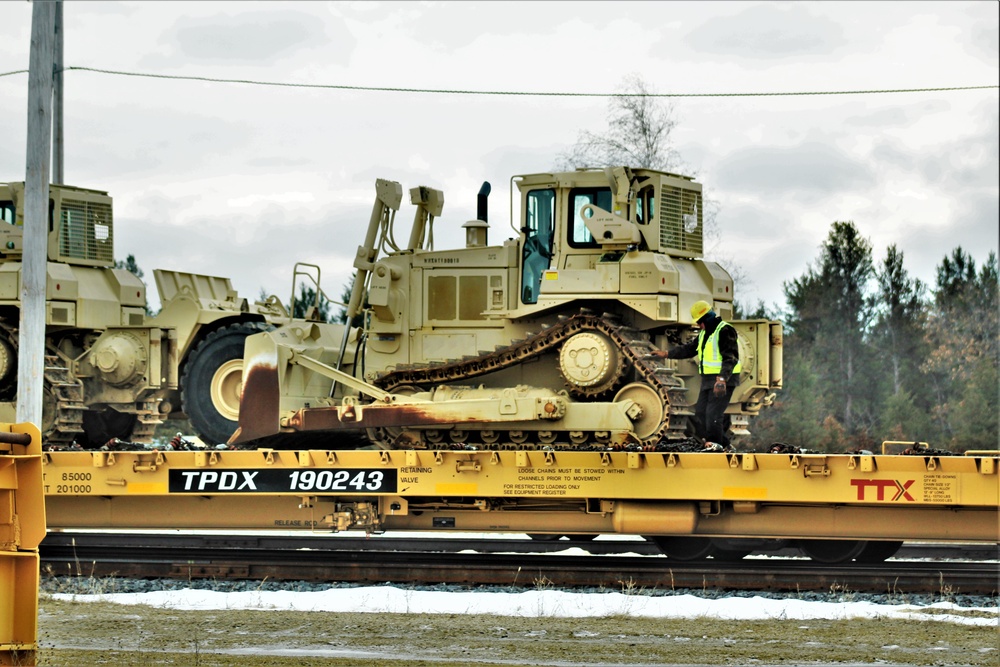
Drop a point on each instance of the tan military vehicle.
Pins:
(543, 340)
(111, 371)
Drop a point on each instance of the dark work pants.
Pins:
(710, 411)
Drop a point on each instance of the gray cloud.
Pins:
(752, 222)
(278, 162)
(471, 21)
(505, 161)
(144, 140)
(810, 168)
(249, 38)
(898, 116)
(985, 33)
(967, 164)
(890, 153)
(768, 32)
(974, 229)
(212, 247)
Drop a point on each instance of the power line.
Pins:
(512, 93)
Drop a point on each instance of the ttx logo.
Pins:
(880, 485)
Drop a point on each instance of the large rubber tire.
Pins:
(212, 380)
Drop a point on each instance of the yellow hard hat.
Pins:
(698, 310)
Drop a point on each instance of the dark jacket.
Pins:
(728, 347)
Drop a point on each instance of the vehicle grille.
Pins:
(86, 231)
(680, 207)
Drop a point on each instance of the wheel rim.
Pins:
(227, 383)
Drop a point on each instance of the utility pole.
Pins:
(31, 333)
(58, 145)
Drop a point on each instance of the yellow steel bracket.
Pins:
(22, 527)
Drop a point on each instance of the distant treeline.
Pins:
(872, 354)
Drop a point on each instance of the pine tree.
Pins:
(307, 302)
(829, 314)
(962, 335)
(901, 312)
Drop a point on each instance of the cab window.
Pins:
(539, 216)
(645, 205)
(579, 235)
(7, 212)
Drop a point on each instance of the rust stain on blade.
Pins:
(258, 402)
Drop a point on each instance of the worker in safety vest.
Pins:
(718, 354)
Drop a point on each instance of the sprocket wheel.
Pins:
(591, 364)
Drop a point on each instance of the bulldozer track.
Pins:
(633, 345)
(68, 406)
(67, 394)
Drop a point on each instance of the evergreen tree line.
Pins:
(873, 354)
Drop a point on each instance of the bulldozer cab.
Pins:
(80, 225)
(578, 229)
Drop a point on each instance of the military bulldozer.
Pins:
(111, 370)
(543, 341)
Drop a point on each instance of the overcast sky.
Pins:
(243, 181)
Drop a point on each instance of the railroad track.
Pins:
(501, 562)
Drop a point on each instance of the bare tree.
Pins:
(638, 133)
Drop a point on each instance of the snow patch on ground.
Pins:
(543, 603)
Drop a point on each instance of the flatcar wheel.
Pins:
(832, 551)
(877, 551)
(544, 537)
(685, 548)
(730, 555)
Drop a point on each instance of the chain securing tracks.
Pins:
(633, 346)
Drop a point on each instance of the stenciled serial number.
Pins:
(343, 480)
(73, 488)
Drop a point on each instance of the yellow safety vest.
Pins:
(709, 356)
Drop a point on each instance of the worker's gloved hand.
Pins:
(720, 387)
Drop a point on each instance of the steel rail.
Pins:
(447, 544)
(242, 557)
